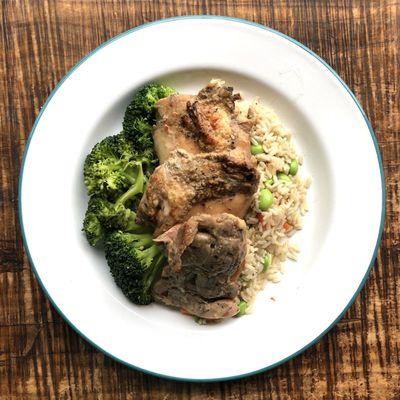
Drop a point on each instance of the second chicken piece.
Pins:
(188, 185)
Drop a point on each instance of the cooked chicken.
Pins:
(202, 123)
(205, 255)
(193, 183)
(206, 180)
(169, 134)
(183, 185)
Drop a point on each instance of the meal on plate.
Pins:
(195, 200)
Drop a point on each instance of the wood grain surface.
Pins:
(41, 357)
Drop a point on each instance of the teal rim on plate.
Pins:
(259, 26)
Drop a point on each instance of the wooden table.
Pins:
(41, 357)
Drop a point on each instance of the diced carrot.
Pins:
(260, 218)
(184, 312)
(287, 227)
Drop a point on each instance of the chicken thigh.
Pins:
(205, 256)
(186, 185)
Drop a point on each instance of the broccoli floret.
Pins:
(140, 115)
(134, 262)
(107, 167)
(110, 168)
(92, 228)
(104, 216)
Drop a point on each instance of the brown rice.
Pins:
(269, 231)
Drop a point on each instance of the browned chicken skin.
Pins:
(169, 134)
(205, 255)
(185, 183)
(202, 123)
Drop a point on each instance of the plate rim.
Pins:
(239, 21)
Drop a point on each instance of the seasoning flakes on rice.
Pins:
(269, 231)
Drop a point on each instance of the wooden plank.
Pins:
(41, 357)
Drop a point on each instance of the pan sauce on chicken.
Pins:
(196, 198)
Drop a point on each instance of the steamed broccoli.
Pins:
(104, 216)
(115, 174)
(140, 114)
(92, 227)
(110, 168)
(134, 262)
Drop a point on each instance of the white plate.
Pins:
(341, 234)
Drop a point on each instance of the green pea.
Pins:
(266, 262)
(293, 168)
(265, 199)
(269, 182)
(283, 177)
(242, 308)
(199, 320)
(256, 149)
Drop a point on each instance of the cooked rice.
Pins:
(269, 231)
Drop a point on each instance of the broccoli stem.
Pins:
(130, 178)
(132, 226)
(152, 272)
(136, 188)
(151, 252)
(142, 239)
(130, 171)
